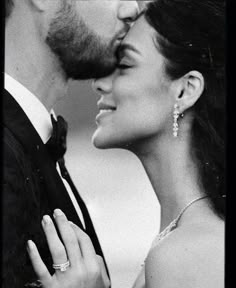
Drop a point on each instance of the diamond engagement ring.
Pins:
(62, 267)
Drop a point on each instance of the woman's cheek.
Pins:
(124, 86)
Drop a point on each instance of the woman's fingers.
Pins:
(94, 263)
(89, 270)
(85, 243)
(56, 248)
(38, 265)
(68, 236)
(88, 253)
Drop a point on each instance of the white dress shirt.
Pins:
(40, 119)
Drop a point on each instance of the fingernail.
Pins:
(71, 223)
(31, 244)
(57, 212)
(47, 220)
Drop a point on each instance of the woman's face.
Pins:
(136, 102)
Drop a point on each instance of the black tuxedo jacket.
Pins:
(31, 188)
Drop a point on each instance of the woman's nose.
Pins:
(128, 11)
(102, 85)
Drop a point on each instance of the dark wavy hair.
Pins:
(8, 7)
(191, 36)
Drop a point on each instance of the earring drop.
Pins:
(175, 120)
(176, 116)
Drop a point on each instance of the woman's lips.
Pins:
(103, 113)
(104, 109)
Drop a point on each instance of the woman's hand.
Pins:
(86, 270)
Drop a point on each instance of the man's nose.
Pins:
(128, 11)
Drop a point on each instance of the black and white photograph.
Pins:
(113, 144)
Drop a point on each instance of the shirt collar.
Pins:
(32, 106)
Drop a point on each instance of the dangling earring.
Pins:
(175, 121)
(176, 116)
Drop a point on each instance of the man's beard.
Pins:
(82, 54)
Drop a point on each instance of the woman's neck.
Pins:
(173, 175)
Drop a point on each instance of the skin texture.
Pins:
(139, 100)
(193, 256)
(54, 30)
(58, 51)
(140, 93)
(80, 36)
(86, 270)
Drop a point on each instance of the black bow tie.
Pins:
(56, 145)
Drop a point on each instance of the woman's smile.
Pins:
(136, 100)
(105, 109)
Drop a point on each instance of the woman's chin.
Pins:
(100, 141)
(105, 140)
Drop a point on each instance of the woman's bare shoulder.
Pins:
(188, 257)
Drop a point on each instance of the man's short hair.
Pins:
(8, 7)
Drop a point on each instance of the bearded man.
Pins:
(46, 44)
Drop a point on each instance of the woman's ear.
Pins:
(192, 87)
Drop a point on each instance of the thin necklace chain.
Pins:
(174, 223)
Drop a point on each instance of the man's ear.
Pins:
(192, 87)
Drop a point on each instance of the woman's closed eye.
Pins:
(124, 64)
(127, 57)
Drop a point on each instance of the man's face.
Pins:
(85, 34)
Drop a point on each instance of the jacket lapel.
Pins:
(18, 123)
